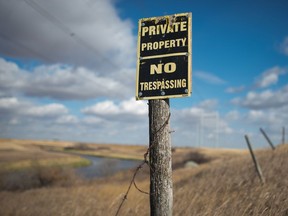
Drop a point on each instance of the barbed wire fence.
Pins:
(145, 161)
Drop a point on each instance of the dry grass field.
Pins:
(225, 183)
(22, 154)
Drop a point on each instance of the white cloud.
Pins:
(127, 122)
(11, 77)
(135, 107)
(264, 100)
(67, 119)
(91, 35)
(72, 83)
(270, 77)
(208, 104)
(193, 115)
(198, 126)
(61, 82)
(92, 120)
(121, 122)
(235, 89)
(8, 103)
(86, 51)
(209, 78)
(102, 108)
(49, 110)
(267, 109)
(12, 109)
(233, 115)
(255, 114)
(268, 118)
(130, 118)
(14, 121)
(108, 107)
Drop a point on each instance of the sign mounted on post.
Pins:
(164, 57)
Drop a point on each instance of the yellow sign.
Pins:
(164, 57)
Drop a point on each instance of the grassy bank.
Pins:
(18, 155)
(104, 154)
(225, 183)
(52, 162)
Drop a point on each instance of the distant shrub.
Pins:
(102, 148)
(197, 157)
(79, 146)
(37, 177)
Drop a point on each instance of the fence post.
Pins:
(258, 169)
(160, 158)
(267, 138)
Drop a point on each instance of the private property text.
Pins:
(164, 29)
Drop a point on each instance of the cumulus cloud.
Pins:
(49, 110)
(108, 108)
(271, 119)
(78, 51)
(72, 83)
(102, 108)
(60, 82)
(194, 115)
(270, 77)
(111, 121)
(124, 121)
(193, 125)
(12, 108)
(233, 115)
(267, 109)
(94, 45)
(67, 119)
(11, 77)
(92, 120)
(208, 104)
(9, 103)
(209, 78)
(264, 100)
(256, 116)
(237, 89)
(199, 126)
(85, 34)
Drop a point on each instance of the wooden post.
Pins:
(267, 138)
(283, 135)
(258, 169)
(161, 185)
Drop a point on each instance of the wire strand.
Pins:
(145, 161)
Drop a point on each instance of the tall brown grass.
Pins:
(38, 176)
(228, 186)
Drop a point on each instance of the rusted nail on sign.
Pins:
(164, 57)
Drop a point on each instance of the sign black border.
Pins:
(187, 54)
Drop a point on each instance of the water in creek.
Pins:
(102, 167)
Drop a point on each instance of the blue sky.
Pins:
(67, 71)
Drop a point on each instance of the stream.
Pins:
(102, 167)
